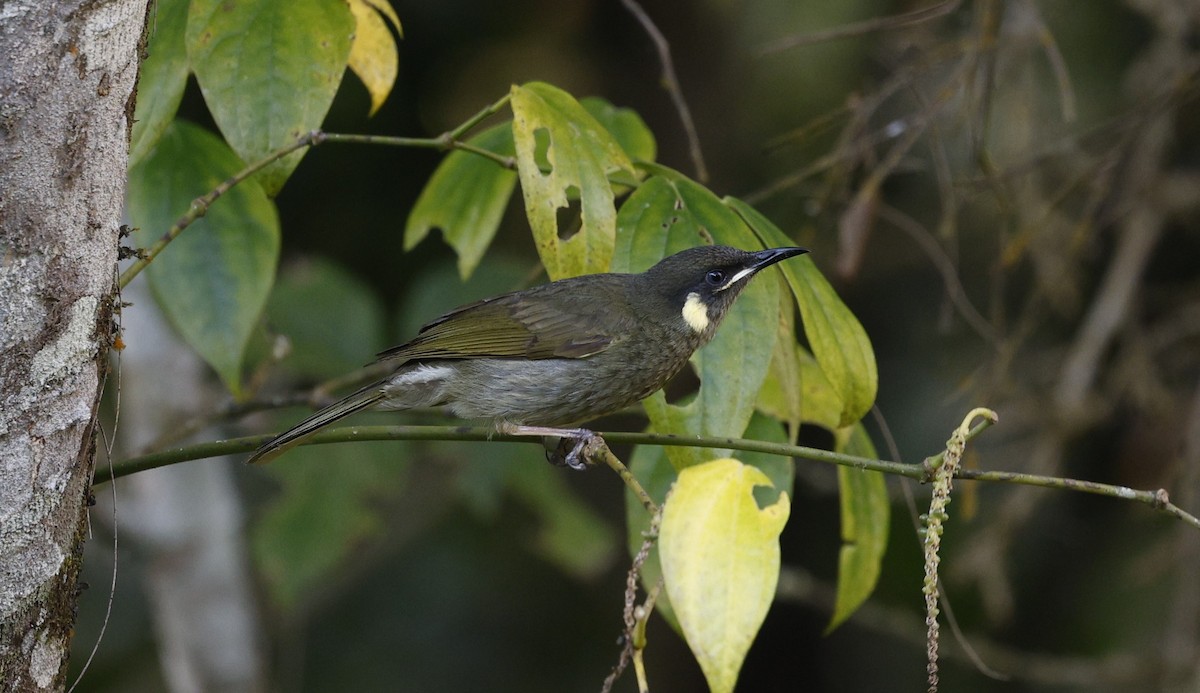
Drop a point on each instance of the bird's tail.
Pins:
(283, 442)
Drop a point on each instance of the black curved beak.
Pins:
(768, 257)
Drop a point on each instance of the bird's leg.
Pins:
(580, 440)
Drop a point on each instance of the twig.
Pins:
(968, 648)
(864, 27)
(622, 471)
(1156, 499)
(943, 477)
(945, 266)
(634, 635)
(200, 206)
(670, 82)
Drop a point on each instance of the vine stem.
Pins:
(200, 206)
(1157, 499)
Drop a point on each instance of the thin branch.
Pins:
(943, 476)
(614, 463)
(670, 82)
(199, 207)
(1058, 64)
(469, 124)
(1156, 499)
(945, 266)
(868, 26)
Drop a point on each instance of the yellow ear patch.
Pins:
(695, 313)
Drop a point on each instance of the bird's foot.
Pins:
(575, 452)
(569, 447)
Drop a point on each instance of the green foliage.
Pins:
(330, 317)
(465, 198)
(866, 514)
(163, 76)
(269, 70)
(626, 127)
(571, 535)
(319, 522)
(837, 338)
(579, 155)
(213, 282)
(467, 194)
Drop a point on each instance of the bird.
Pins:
(545, 360)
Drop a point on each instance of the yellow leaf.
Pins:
(385, 8)
(720, 560)
(373, 55)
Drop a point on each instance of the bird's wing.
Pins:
(540, 323)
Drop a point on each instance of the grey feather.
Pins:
(363, 399)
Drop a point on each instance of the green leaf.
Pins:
(332, 505)
(720, 561)
(334, 321)
(162, 78)
(866, 512)
(269, 70)
(626, 126)
(837, 338)
(579, 154)
(663, 217)
(781, 470)
(821, 404)
(781, 392)
(213, 280)
(465, 198)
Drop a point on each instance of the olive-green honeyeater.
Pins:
(545, 359)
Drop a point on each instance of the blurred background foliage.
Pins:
(1005, 193)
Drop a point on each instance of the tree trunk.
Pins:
(67, 74)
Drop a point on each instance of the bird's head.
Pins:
(701, 283)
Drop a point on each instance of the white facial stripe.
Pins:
(695, 313)
(736, 278)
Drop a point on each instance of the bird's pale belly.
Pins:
(546, 392)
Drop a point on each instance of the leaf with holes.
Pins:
(269, 70)
(866, 513)
(563, 153)
(465, 198)
(162, 79)
(720, 562)
(213, 280)
(837, 338)
(664, 216)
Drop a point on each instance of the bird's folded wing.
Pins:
(529, 324)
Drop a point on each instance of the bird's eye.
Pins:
(715, 277)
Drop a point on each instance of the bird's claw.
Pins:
(575, 452)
